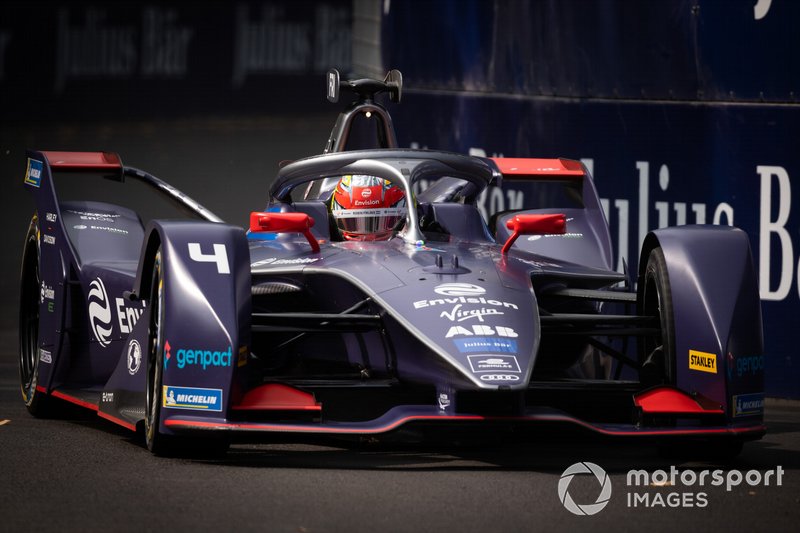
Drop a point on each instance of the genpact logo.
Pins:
(100, 312)
(752, 365)
(198, 357)
(586, 509)
(749, 365)
(459, 289)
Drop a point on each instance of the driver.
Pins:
(367, 208)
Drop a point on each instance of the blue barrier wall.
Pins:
(685, 112)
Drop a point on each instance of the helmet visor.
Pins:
(368, 221)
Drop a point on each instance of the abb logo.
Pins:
(481, 329)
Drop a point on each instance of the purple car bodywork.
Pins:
(257, 332)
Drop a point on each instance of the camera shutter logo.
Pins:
(602, 498)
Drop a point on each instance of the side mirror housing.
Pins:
(284, 223)
(553, 224)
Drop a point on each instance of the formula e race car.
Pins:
(372, 295)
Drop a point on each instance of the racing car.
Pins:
(372, 295)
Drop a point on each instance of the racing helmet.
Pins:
(367, 208)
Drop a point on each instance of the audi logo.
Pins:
(499, 377)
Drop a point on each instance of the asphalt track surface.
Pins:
(81, 473)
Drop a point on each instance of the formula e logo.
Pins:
(499, 377)
(100, 312)
(602, 498)
(494, 363)
(134, 357)
(459, 289)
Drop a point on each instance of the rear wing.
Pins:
(542, 169)
(106, 162)
(42, 165)
(544, 187)
(536, 184)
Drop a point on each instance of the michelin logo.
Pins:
(748, 404)
(192, 398)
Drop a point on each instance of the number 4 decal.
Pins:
(220, 256)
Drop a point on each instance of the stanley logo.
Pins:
(702, 361)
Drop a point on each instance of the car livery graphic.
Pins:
(306, 322)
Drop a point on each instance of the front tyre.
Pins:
(36, 402)
(158, 442)
(657, 352)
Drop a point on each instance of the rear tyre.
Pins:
(158, 442)
(37, 402)
(657, 352)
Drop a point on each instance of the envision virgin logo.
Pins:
(459, 315)
(459, 289)
(586, 509)
(100, 312)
